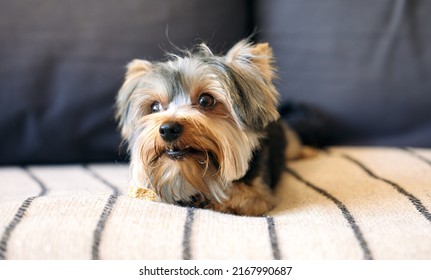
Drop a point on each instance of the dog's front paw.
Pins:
(246, 200)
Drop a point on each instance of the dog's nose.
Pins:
(170, 131)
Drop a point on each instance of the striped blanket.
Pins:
(346, 203)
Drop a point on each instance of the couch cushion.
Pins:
(346, 203)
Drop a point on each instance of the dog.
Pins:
(203, 130)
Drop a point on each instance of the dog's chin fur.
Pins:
(220, 160)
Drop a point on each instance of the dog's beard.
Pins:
(178, 181)
(202, 163)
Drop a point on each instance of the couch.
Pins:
(354, 82)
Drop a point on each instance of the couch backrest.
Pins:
(360, 69)
(351, 73)
(62, 63)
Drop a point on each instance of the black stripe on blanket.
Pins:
(414, 200)
(273, 238)
(19, 215)
(417, 155)
(187, 235)
(107, 209)
(346, 213)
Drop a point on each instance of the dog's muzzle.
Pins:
(170, 131)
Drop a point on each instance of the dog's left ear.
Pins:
(259, 54)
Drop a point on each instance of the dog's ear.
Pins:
(256, 98)
(138, 66)
(263, 58)
(135, 70)
(259, 54)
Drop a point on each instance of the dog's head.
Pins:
(192, 122)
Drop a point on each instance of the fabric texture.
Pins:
(345, 203)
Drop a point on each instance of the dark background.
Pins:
(350, 72)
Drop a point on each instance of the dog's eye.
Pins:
(155, 107)
(206, 101)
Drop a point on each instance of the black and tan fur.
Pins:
(227, 156)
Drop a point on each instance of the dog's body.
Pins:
(204, 130)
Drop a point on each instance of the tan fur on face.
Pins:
(213, 136)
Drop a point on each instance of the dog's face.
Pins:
(193, 122)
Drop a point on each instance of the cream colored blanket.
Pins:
(346, 203)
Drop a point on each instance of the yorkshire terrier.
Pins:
(203, 130)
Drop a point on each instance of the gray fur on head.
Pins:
(246, 71)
